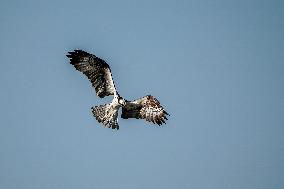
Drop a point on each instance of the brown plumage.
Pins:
(147, 108)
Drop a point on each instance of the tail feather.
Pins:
(106, 115)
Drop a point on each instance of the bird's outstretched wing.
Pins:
(96, 69)
(147, 108)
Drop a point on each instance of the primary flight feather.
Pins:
(99, 74)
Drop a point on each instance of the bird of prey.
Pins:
(99, 74)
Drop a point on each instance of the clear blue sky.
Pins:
(216, 66)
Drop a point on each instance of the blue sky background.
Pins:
(216, 66)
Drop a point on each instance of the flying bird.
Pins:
(99, 74)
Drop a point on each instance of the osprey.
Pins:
(99, 73)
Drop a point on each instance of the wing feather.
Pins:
(147, 108)
(96, 69)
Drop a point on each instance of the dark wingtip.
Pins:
(166, 113)
(76, 52)
(79, 50)
(115, 127)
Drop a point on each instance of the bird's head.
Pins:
(121, 101)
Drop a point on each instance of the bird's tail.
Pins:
(106, 116)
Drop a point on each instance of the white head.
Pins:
(120, 100)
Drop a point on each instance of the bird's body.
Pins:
(99, 73)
